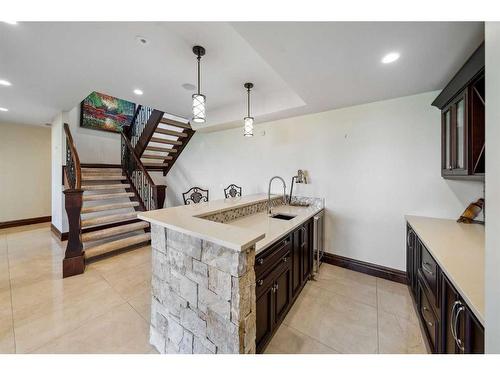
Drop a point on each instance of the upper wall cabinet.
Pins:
(462, 105)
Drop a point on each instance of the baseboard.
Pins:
(18, 223)
(57, 232)
(365, 267)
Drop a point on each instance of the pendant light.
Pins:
(248, 121)
(199, 100)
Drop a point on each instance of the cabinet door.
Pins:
(446, 141)
(306, 249)
(474, 334)
(451, 301)
(460, 129)
(265, 317)
(296, 263)
(412, 260)
(282, 294)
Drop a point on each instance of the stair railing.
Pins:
(74, 261)
(151, 196)
(139, 122)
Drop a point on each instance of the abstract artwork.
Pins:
(104, 112)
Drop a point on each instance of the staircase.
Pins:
(102, 201)
(158, 139)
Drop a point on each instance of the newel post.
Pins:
(159, 195)
(74, 261)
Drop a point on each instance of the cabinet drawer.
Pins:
(429, 270)
(264, 281)
(428, 318)
(271, 256)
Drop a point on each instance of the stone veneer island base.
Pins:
(203, 295)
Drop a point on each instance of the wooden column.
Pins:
(74, 261)
(159, 195)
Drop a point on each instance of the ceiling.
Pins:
(297, 68)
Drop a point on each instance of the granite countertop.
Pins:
(459, 250)
(238, 234)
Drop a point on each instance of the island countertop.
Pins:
(459, 250)
(239, 234)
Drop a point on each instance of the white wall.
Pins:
(492, 279)
(373, 163)
(24, 172)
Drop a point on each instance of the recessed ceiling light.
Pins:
(390, 57)
(189, 86)
(4, 82)
(141, 39)
(2, 109)
(138, 92)
(11, 22)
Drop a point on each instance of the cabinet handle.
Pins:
(426, 269)
(285, 259)
(260, 261)
(260, 282)
(430, 324)
(410, 233)
(276, 287)
(457, 340)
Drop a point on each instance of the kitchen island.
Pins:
(204, 271)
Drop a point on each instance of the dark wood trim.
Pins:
(185, 141)
(367, 268)
(21, 222)
(64, 235)
(146, 135)
(464, 76)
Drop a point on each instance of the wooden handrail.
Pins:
(74, 157)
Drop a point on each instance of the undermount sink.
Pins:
(282, 216)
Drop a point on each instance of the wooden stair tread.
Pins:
(160, 157)
(175, 123)
(108, 232)
(108, 207)
(107, 177)
(97, 197)
(101, 170)
(170, 132)
(108, 219)
(105, 187)
(161, 149)
(94, 251)
(165, 141)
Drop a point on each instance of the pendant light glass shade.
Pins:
(199, 100)
(248, 127)
(199, 113)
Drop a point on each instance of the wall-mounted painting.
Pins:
(107, 113)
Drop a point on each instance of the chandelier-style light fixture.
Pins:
(248, 121)
(199, 100)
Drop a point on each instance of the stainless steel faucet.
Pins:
(269, 206)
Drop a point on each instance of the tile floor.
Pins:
(106, 310)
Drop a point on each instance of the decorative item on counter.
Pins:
(300, 178)
(471, 213)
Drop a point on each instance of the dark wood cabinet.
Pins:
(462, 105)
(281, 271)
(461, 332)
(446, 319)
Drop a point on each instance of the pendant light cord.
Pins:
(248, 107)
(199, 58)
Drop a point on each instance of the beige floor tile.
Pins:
(142, 304)
(125, 260)
(341, 323)
(51, 308)
(7, 343)
(348, 283)
(394, 298)
(130, 281)
(120, 330)
(290, 341)
(399, 336)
